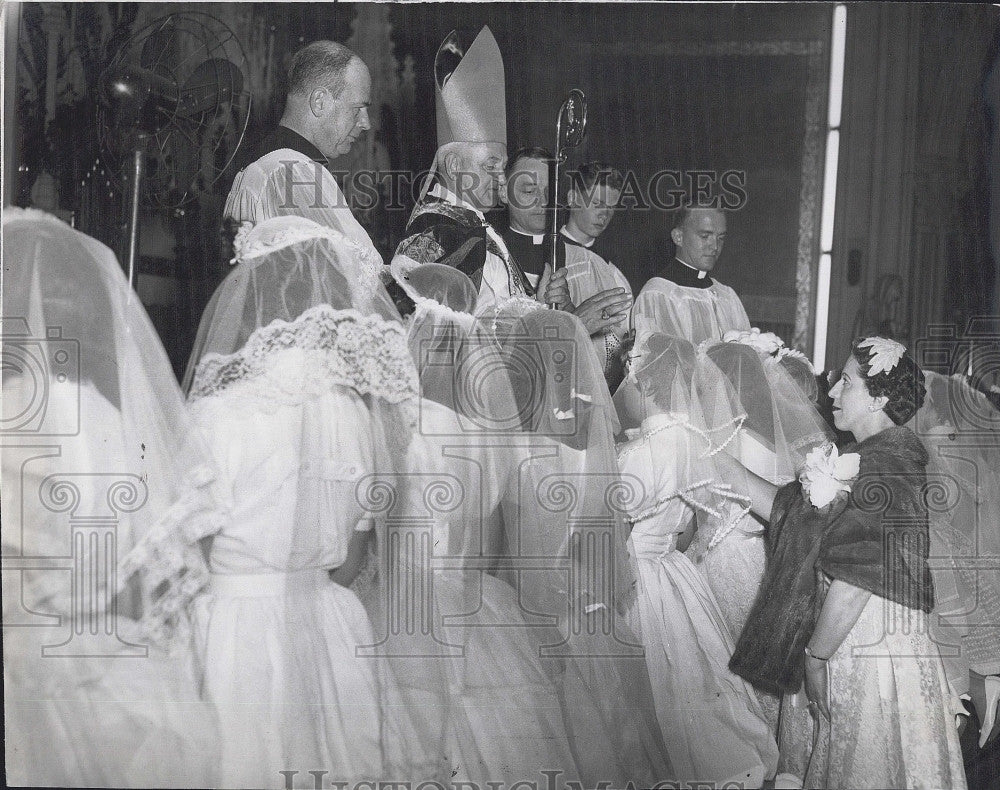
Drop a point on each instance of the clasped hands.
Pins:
(598, 314)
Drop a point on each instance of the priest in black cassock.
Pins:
(586, 285)
(681, 299)
(448, 224)
(526, 195)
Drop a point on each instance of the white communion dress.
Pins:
(279, 637)
(711, 722)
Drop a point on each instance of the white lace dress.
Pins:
(891, 724)
(278, 636)
(711, 721)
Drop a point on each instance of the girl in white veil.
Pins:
(483, 676)
(105, 495)
(304, 388)
(566, 538)
(779, 426)
(711, 721)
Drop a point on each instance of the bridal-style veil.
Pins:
(302, 367)
(566, 530)
(105, 496)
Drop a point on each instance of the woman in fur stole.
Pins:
(845, 600)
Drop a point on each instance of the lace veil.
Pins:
(303, 350)
(86, 376)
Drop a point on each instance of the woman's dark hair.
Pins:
(903, 385)
(683, 353)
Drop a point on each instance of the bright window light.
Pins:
(838, 41)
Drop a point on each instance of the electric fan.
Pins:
(174, 108)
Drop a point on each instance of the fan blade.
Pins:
(213, 82)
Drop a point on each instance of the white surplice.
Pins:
(694, 314)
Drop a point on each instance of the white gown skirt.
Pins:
(504, 723)
(291, 693)
(711, 722)
(106, 721)
(890, 720)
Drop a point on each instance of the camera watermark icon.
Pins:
(469, 375)
(31, 367)
(83, 600)
(526, 382)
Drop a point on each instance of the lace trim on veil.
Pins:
(342, 347)
(254, 242)
(435, 309)
(170, 560)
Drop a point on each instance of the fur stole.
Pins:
(875, 538)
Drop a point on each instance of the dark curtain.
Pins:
(669, 87)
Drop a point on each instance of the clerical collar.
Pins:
(283, 137)
(442, 192)
(566, 235)
(701, 274)
(536, 238)
(676, 271)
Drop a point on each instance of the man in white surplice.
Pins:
(681, 299)
(326, 110)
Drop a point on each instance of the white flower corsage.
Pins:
(763, 342)
(884, 356)
(240, 241)
(767, 344)
(827, 473)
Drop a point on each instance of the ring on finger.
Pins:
(604, 314)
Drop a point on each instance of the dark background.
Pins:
(675, 86)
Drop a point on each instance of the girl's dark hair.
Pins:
(903, 385)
